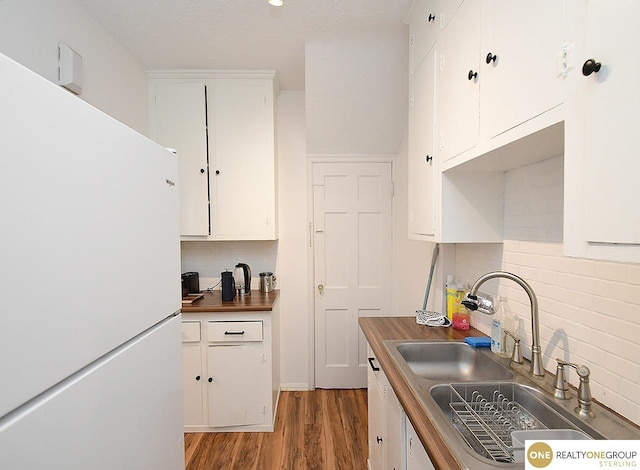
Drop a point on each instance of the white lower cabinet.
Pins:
(389, 428)
(417, 458)
(230, 371)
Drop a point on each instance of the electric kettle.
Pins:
(243, 278)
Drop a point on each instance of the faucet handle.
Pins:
(560, 388)
(584, 393)
(516, 355)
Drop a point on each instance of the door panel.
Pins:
(352, 251)
(236, 372)
(182, 125)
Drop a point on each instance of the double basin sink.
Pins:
(476, 401)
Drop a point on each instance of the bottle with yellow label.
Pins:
(455, 294)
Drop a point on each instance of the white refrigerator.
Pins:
(90, 361)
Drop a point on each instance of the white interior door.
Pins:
(352, 264)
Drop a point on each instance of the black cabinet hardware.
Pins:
(373, 368)
(590, 66)
(472, 75)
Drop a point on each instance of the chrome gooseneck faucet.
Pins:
(472, 302)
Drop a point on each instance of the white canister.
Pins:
(267, 281)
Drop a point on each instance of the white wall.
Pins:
(356, 93)
(589, 310)
(114, 81)
(293, 247)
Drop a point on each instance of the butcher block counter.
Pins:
(212, 302)
(379, 329)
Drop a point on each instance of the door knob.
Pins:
(431, 18)
(321, 288)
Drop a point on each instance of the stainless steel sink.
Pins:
(450, 361)
(485, 415)
(444, 375)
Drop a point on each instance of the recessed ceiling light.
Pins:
(276, 3)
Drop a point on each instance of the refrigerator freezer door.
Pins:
(122, 412)
(89, 245)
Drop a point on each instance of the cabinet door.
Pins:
(394, 429)
(423, 30)
(181, 125)
(192, 380)
(422, 147)
(459, 95)
(522, 79)
(612, 102)
(417, 457)
(238, 384)
(376, 418)
(241, 148)
(448, 9)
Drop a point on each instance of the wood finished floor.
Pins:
(319, 429)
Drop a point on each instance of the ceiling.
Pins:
(238, 34)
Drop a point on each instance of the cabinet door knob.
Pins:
(197, 377)
(201, 170)
(590, 66)
(378, 439)
(472, 75)
(431, 18)
(429, 158)
(210, 379)
(491, 58)
(217, 172)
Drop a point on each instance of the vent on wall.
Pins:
(69, 69)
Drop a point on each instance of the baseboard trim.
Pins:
(299, 387)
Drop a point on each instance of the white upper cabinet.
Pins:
(241, 153)
(459, 82)
(601, 189)
(422, 159)
(181, 124)
(520, 62)
(448, 9)
(423, 30)
(223, 130)
(498, 71)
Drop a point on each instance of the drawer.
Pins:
(190, 331)
(234, 331)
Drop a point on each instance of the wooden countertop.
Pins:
(378, 329)
(212, 302)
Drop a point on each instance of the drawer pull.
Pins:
(374, 368)
(234, 332)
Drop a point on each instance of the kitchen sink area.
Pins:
(476, 400)
(450, 361)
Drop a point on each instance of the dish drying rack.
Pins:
(487, 423)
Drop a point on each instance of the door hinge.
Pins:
(264, 409)
(263, 358)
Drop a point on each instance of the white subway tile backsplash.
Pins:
(589, 310)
